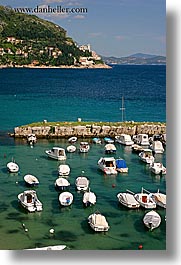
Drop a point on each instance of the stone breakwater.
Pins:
(88, 131)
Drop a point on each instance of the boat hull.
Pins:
(58, 247)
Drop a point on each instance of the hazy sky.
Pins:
(112, 27)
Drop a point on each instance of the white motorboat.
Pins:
(124, 139)
(98, 222)
(136, 148)
(159, 198)
(56, 153)
(157, 147)
(158, 168)
(108, 165)
(82, 183)
(12, 167)
(30, 201)
(84, 147)
(147, 156)
(66, 198)
(72, 139)
(31, 180)
(155, 137)
(110, 148)
(71, 148)
(62, 183)
(108, 140)
(89, 198)
(152, 220)
(96, 140)
(58, 247)
(31, 139)
(145, 200)
(127, 199)
(141, 139)
(121, 165)
(63, 170)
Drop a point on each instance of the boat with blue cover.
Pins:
(121, 165)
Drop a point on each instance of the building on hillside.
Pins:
(85, 48)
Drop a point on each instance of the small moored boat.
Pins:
(63, 170)
(108, 140)
(145, 200)
(66, 198)
(89, 198)
(110, 148)
(82, 183)
(141, 139)
(98, 222)
(108, 165)
(159, 198)
(157, 147)
(31, 139)
(121, 165)
(96, 140)
(84, 147)
(30, 201)
(152, 220)
(127, 199)
(62, 184)
(136, 148)
(31, 180)
(158, 168)
(56, 153)
(124, 139)
(147, 156)
(71, 148)
(58, 247)
(12, 167)
(72, 139)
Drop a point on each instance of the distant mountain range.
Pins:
(136, 59)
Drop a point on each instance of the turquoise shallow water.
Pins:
(29, 95)
(70, 224)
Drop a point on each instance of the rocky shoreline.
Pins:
(88, 130)
(96, 66)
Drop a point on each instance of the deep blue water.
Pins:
(29, 95)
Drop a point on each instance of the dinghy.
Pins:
(65, 198)
(62, 184)
(152, 220)
(12, 167)
(82, 183)
(31, 180)
(63, 170)
(89, 198)
(71, 148)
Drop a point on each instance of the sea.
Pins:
(32, 95)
